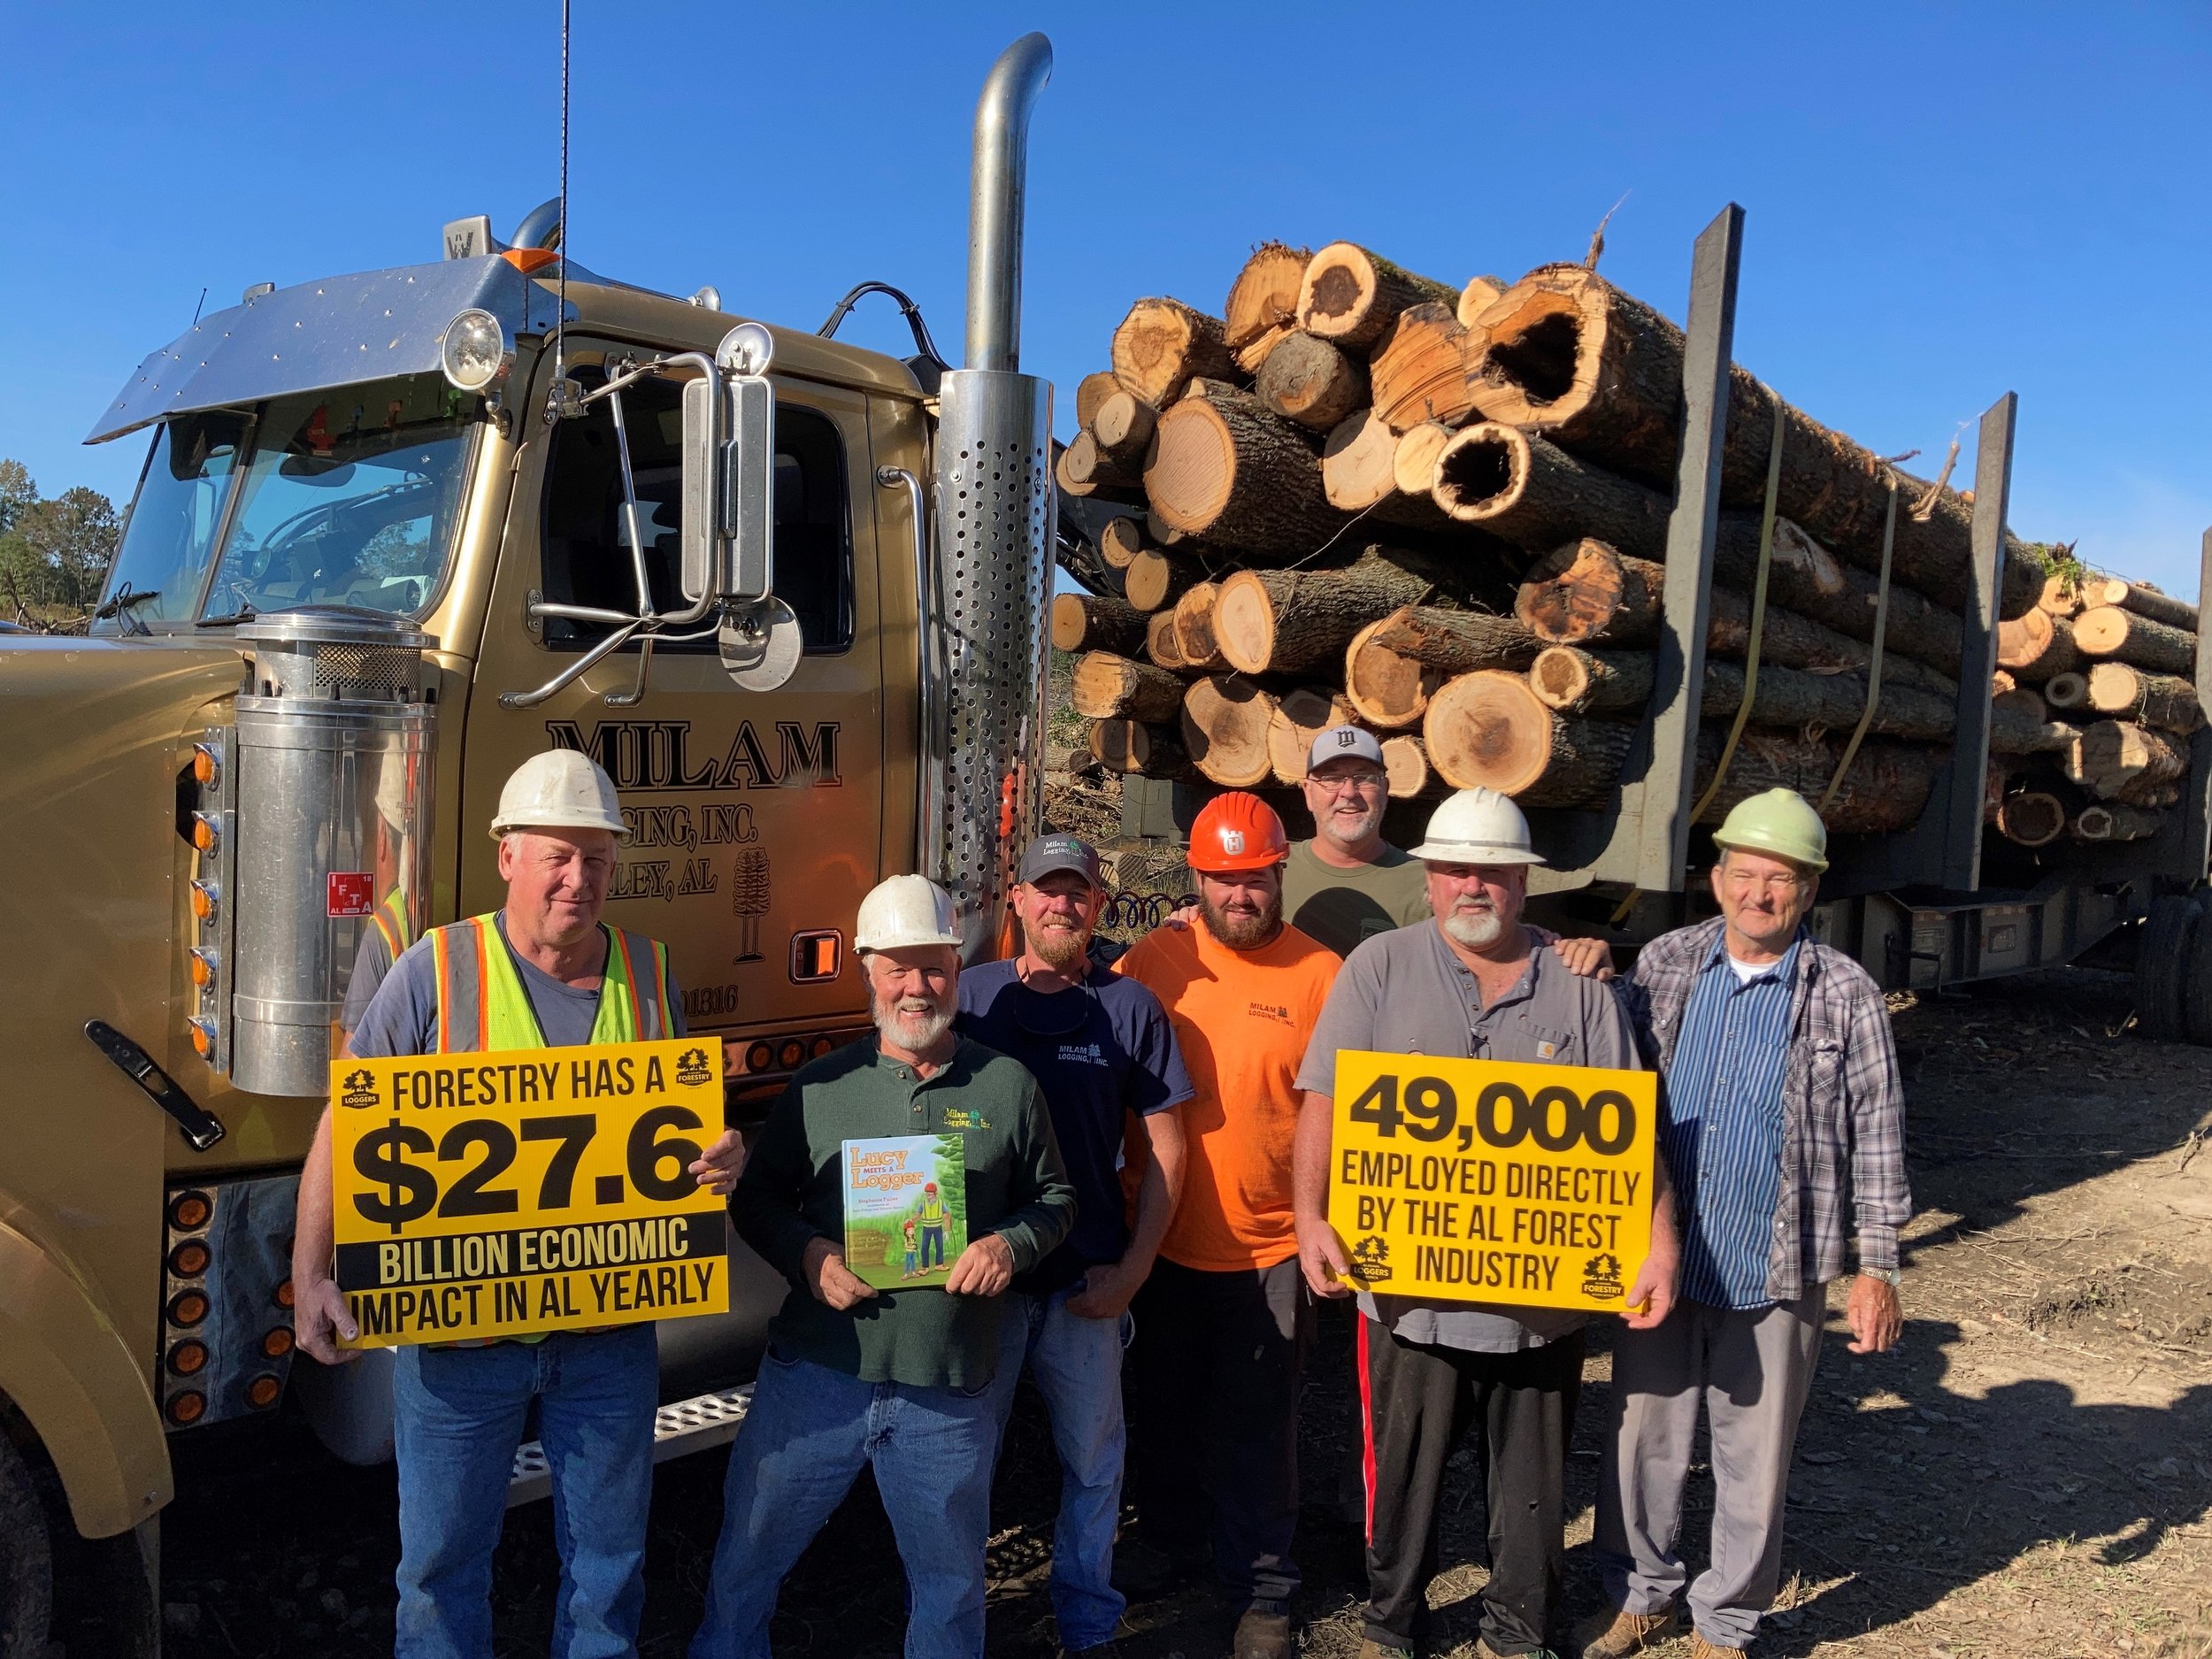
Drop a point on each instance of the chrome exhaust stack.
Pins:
(990, 567)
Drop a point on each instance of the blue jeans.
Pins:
(809, 1433)
(1077, 1364)
(458, 1417)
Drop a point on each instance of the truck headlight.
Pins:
(474, 352)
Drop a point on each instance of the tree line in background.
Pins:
(54, 550)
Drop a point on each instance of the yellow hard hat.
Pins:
(559, 789)
(1780, 822)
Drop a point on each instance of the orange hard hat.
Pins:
(1237, 831)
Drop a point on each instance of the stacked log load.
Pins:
(1439, 509)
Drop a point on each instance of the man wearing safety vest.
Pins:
(543, 971)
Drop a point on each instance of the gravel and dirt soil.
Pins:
(2031, 1474)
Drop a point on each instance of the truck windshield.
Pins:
(347, 498)
(171, 539)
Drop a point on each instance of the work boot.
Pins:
(1700, 1648)
(1483, 1648)
(1261, 1636)
(1610, 1635)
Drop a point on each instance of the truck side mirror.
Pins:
(729, 474)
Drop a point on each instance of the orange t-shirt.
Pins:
(1242, 1018)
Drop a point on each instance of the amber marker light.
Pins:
(187, 1359)
(205, 767)
(277, 1341)
(187, 1408)
(262, 1392)
(203, 900)
(190, 1259)
(205, 834)
(188, 1308)
(282, 1294)
(188, 1211)
(202, 1038)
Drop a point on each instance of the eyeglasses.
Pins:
(1338, 783)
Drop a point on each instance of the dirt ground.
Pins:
(2030, 1474)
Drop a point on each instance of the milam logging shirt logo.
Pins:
(1082, 1054)
(1274, 1012)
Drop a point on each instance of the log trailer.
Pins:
(1939, 902)
(397, 531)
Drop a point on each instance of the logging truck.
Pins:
(1540, 538)
(395, 531)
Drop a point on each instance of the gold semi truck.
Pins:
(395, 531)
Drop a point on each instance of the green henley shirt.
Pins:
(792, 1192)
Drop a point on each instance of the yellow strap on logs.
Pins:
(1874, 657)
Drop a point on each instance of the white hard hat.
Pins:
(1477, 826)
(559, 789)
(905, 911)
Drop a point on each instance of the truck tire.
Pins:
(2194, 968)
(2166, 969)
(26, 1561)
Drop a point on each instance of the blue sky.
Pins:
(1945, 202)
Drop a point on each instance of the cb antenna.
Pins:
(563, 397)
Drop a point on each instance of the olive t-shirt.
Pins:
(1342, 907)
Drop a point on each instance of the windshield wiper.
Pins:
(244, 613)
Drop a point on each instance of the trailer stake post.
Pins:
(1964, 782)
(2196, 805)
(1679, 672)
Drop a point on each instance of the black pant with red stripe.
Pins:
(1419, 1401)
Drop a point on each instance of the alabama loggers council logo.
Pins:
(1601, 1278)
(1370, 1260)
(359, 1090)
(692, 1069)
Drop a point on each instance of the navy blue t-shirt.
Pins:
(1100, 1051)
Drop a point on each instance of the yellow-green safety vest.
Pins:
(391, 918)
(482, 1006)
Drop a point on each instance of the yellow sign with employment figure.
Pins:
(1493, 1180)
(516, 1191)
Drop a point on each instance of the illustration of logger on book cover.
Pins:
(906, 1208)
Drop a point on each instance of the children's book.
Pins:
(906, 1208)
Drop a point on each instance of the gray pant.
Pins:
(1751, 1372)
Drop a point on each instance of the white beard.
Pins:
(915, 1031)
(1476, 928)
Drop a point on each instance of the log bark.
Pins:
(1083, 472)
(1787, 698)
(1419, 370)
(2144, 793)
(2011, 732)
(1407, 763)
(1159, 643)
(1122, 429)
(2025, 700)
(1264, 295)
(1457, 642)
(2141, 598)
(2125, 693)
(1091, 391)
(1805, 577)
(1789, 640)
(1575, 681)
(1161, 343)
(2036, 645)
(1298, 717)
(2115, 821)
(1480, 294)
(1600, 373)
(1352, 296)
(1233, 469)
(1288, 621)
(1224, 729)
(1358, 474)
(1487, 729)
(1532, 492)
(1133, 746)
(1086, 622)
(2032, 818)
(1104, 685)
(2108, 631)
(1585, 593)
(1120, 542)
(1252, 357)
(1312, 381)
(1886, 788)
(1388, 688)
(1195, 626)
(2121, 755)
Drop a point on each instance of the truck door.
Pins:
(756, 816)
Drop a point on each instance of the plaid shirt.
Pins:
(1843, 1105)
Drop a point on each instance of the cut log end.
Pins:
(2032, 818)
(1388, 688)
(1351, 295)
(1161, 343)
(1264, 295)
(1487, 729)
(1539, 349)
(1225, 729)
(1479, 471)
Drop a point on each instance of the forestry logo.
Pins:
(691, 1068)
(360, 1090)
(1601, 1278)
(1370, 1260)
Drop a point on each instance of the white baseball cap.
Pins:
(1341, 742)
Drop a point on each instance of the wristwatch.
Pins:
(1889, 1275)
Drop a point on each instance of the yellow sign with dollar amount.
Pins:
(527, 1190)
(1491, 1181)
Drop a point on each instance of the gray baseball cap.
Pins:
(1341, 742)
(1050, 853)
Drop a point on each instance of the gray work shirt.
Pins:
(1406, 992)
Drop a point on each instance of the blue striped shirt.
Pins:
(1723, 1134)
